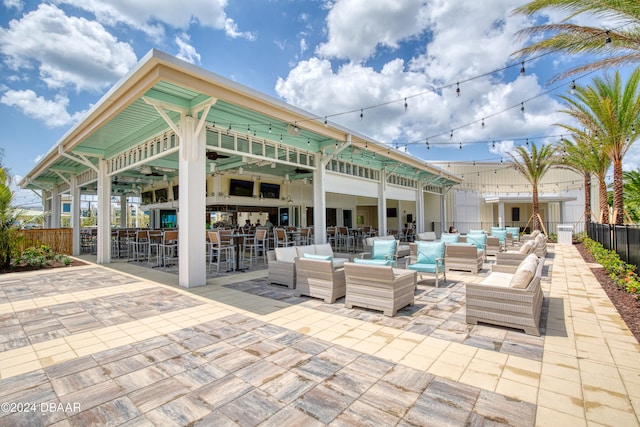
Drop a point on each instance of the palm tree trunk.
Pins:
(618, 202)
(587, 200)
(604, 206)
(536, 209)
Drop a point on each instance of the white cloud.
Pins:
(144, 15)
(67, 51)
(231, 30)
(357, 27)
(186, 51)
(467, 39)
(15, 4)
(52, 112)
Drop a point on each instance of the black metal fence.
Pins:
(623, 239)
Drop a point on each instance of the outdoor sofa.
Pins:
(463, 257)
(281, 261)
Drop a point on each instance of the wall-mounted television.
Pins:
(270, 191)
(161, 195)
(392, 212)
(175, 192)
(147, 197)
(238, 187)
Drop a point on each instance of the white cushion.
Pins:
(526, 247)
(323, 249)
(498, 279)
(525, 272)
(286, 254)
(339, 262)
(307, 249)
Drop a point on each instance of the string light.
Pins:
(482, 124)
(522, 107)
(458, 89)
(269, 127)
(406, 106)
(361, 114)
(325, 121)
(522, 69)
(427, 141)
(573, 87)
(608, 39)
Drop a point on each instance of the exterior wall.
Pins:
(486, 180)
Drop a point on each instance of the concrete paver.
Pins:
(99, 345)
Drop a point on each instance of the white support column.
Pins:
(75, 216)
(419, 208)
(191, 241)
(55, 208)
(319, 202)
(382, 204)
(104, 214)
(443, 212)
(501, 214)
(46, 220)
(124, 211)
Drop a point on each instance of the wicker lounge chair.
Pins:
(514, 258)
(429, 259)
(319, 279)
(511, 300)
(463, 257)
(377, 287)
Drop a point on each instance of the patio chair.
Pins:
(385, 250)
(378, 287)
(430, 260)
(256, 245)
(515, 234)
(463, 257)
(168, 249)
(316, 277)
(480, 241)
(282, 240)
(221, 249)
(427, 236)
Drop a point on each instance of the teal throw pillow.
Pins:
(381, 262)
(477, 239)
(429, 251)
(383, 249)
(450, 237)
(317, 257)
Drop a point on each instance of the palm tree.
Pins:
(611, 111)
(632, 193)
(8, 217)
(620, 45)
(584, 155)
(533, 165)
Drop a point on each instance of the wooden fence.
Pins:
(58, 239)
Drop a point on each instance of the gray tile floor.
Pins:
(239, 371)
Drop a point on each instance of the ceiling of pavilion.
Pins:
(256, 120)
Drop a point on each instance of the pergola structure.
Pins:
(168, 120)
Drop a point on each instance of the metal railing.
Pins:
(623, 239)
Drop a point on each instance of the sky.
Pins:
(389, 69)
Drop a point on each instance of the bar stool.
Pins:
(220, 248)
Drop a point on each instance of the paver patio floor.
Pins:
(93, 345)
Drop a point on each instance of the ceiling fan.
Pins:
(214, 155)
(301, 171)
(148, 171)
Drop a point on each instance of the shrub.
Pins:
(621, 273)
